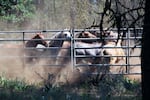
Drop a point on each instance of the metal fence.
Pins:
(9, 40)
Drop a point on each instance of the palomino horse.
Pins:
(113, 48)
(111, 51)
(30, 45)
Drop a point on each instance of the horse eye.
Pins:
(65, 34)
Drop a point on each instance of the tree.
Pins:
(119, 13)
(119, 19)
(16, 10)
(145, 54)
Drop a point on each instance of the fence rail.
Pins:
(132, 36)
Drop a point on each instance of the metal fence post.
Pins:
(128, 50)
(72, 48)
(23, 36)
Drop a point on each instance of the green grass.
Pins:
(118, 89)
(17, 90)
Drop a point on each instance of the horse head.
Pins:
(39, 39)
(59, 38)
(60, 41)
(86, 34)
(65, 35)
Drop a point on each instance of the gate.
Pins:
(131, 45)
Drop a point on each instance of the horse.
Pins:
(89, 51)
(57, 43)
(111, 53)
(113, 48)
(33, 43)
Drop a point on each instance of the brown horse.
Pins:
(35, 40)
(30, 50)
(86, 34)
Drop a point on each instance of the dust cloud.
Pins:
(13, 66)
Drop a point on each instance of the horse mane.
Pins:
(53, 41)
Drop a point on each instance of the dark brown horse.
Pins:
(31, 50)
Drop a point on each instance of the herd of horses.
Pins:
(89, 48)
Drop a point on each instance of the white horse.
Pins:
(57, 44)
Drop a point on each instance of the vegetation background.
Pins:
(57, 14)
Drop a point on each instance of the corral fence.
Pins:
(11, 40)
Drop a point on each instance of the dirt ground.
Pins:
(12, 66)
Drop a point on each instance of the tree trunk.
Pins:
(145, 54)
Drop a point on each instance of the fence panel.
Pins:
(11, 40)
(131, 45)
